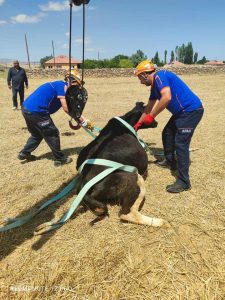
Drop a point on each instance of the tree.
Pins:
(44, 59)
(195, 57)
(202, 61)
(137, 57)
(172, 56)
(165, 55)
(188, 54)
(90, 64)
(181, 53)
(112, 63)
(118, 57)
(185, 53)
(177, 53)
(125, 63)
(156, 59)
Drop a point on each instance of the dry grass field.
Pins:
(113, 260)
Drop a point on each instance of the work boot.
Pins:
(178, 187)
(22, 156)
(63, 161)
(166, 164)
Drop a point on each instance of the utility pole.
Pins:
(27, 50)
(53, 51)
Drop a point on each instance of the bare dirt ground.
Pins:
(113, 260)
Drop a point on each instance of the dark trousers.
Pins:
(41, 127)
(14, 96)
(176, 138)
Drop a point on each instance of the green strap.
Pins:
(16, 222)
(113, 166)
(133, 131)
(104, 162)
(90, 132)
(97, 129)
(143, 144)
(146, 147)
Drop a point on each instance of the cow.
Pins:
(117, 143)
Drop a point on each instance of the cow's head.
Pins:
(134, 115)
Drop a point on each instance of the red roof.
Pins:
(62, 59)
(215, 63)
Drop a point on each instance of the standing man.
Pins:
(37, 108)
(16, 79)
(170, 92)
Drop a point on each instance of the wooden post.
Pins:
(53, 51)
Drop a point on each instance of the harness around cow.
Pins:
(112, 166)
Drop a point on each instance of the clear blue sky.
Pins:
(112, 27)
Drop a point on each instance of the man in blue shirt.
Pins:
(16, 79)
(169, 91)
(37, 108)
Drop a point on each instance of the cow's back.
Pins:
(117, 145)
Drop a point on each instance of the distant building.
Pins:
(62, 62)
(215, 63)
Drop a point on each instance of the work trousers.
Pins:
(176, 138)
(41, 126)
(14, 96)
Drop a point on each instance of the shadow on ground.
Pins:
(49, 155)
(14, 238)
(10, 240)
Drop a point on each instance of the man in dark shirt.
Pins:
(16, 79)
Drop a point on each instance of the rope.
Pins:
(70, 36)
(16, 222)
(70, 39)
(112, 167)
(82, 76)
(128, 126)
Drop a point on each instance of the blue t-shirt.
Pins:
(183, 99)
(45, 98)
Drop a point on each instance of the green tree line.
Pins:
(183, 53)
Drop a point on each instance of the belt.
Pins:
(27, 112)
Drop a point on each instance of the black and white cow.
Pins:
(117, 143)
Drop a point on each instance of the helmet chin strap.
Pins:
(144, 77)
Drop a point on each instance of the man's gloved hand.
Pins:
(148, 119)
(87, 124)
(137, 125)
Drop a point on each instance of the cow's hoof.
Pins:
(98, 219)
(160, 223)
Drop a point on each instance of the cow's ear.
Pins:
(154, 124)
(140, 103)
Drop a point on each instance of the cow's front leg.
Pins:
(97, 207)
(134, 216)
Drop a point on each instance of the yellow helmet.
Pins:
(72, 76)
(144, 66)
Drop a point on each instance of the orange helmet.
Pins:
(72, 76)
(144, 66)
